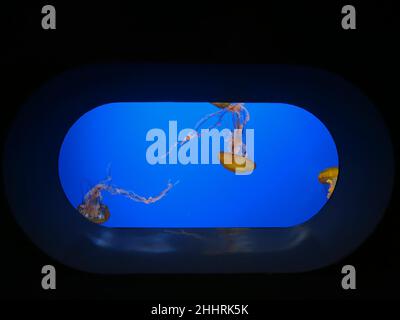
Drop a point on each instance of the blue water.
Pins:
(291, 148)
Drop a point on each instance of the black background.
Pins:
(302, 32)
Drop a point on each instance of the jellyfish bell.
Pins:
(221, 105)
(329, 176)
(236, 163)
(98, 214)
(231, 106)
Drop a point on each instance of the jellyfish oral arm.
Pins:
(332, 185)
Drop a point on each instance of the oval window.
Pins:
(188, 165)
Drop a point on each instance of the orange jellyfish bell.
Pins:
(105, 214)
(101, 215)
(329, 176)
(221, 105)
(236, 163)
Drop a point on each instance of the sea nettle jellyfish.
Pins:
(329, 176)
(93, 208)
(236, 160)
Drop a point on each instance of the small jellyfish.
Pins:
(329, 176)
(93, 208)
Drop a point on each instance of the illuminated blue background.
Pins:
(291, 147)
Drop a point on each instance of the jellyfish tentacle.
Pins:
(135, 197)
(203, 120)
(199, 123)
(245, 115)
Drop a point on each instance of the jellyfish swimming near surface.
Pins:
(236, 159)
(93, 208)
(329, 176)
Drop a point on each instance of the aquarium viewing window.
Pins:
(138, 186)
(198, 165)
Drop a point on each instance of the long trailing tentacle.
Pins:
(199, 123)
(221, 114)
(113, 190)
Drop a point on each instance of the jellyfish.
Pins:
(235, 160)
(93, 208)
(329, 176)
